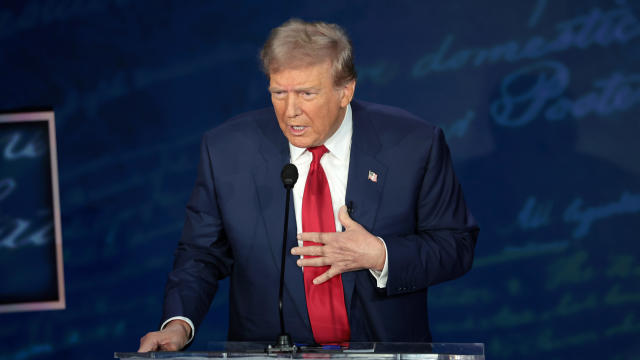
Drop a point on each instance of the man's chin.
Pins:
(300, 142)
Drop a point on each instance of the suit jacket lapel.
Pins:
(273, 155)
(363, 192)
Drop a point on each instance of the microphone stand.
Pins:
(284, 344)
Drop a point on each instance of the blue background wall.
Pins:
(540, 102)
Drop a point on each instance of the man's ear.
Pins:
(347, 93)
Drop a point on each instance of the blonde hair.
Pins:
(297, 43)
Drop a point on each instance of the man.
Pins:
(409, 226)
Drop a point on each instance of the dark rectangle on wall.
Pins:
(31, 263)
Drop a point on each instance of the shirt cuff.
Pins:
(193, 332)
(381, 276)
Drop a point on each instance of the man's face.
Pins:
(308, 106)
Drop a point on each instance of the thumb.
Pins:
(344, 218)
(148, 343)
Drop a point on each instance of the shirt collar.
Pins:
(338, 144)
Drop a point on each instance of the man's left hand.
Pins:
(353, 249)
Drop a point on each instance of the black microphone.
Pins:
(289, 177)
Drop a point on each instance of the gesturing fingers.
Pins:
(345, 219)
(316, 261)
(308, 250)
(326, 276)
(319, 237)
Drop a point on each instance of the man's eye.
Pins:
(278, 94)
(308, 94)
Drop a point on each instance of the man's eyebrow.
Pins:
(307, 89)
(302, 89)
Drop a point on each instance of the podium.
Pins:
(359, 351)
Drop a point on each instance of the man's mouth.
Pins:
(297, 130)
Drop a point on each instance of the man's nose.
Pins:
(292, 106)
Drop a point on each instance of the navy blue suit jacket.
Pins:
(234, 226)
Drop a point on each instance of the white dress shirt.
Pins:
(336, 166)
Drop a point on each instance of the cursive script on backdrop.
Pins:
(598, 27)
(539, 89)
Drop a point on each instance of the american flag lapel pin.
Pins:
(373, 177)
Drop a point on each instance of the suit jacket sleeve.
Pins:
(203, 255)
(442, 246)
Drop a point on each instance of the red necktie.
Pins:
(325, 302)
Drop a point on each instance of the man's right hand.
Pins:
(173, 337)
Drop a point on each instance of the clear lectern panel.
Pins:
(255, 351)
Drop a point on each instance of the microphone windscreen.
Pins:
(289, 175)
